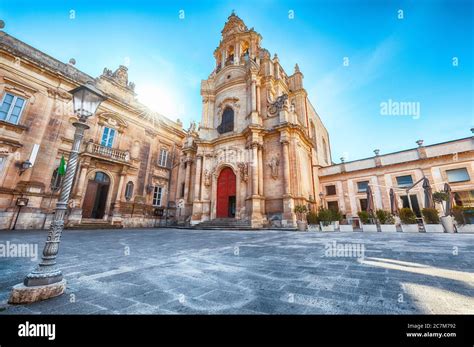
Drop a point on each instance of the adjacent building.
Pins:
(344, 185)
(126, 171)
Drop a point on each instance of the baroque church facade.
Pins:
(260, 143)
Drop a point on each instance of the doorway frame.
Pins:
(238, 198)
(108, 203)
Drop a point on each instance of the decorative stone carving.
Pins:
(207, 178)
(281, 103)
(274, 163)
(119, 76)
(192, 127)
(232, 102)
(244, 171)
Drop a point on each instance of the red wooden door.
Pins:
(225, 189)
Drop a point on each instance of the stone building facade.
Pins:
(259, 150)
(126, 171)
(344, 185)
(260, 143)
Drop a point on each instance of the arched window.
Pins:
(101, 177)
(227, 123)
(129, 191)
(56, 181)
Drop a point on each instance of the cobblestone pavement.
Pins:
(169, 271)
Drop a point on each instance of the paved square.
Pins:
(170, 271)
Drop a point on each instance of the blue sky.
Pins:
(403, 60)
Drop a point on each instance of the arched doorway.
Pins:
(96, 196)
(226, 198)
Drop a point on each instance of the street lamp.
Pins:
(46, 280)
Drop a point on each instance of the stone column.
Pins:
(260, 170)
(286, 168)
(120, 187)
(254, 96)
(258, 99)
(197, 180)
(82, 182)
(255, 169)
(178, 180)
(187, 179)
(289, 217)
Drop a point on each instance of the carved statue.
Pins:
(192, 127)
(121, 75)
(280, 104)
(244, 171)
(274, 164)
(207, 178)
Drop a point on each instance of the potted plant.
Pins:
(301, 211)
(336, 217)
(386, 220)
(446, 221)
(408, 219)
(431, 220)
(465, 216)
(325, 218)
(313, 222)
(458, 215)
(367, 221)
(345, 226)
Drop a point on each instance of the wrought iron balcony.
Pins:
(107, 152)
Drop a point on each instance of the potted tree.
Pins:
(408, 219)
(301, 211)
(367, 221)
(386, 220)
(446, 221)
(313, 222)
(325, 218)
(431, 220)
(458, 214)
(345, 226)
(336, 217)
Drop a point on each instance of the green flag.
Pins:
(62, 167)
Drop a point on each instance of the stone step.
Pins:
(223, 223)
(84, 226)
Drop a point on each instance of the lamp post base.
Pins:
(22, 294)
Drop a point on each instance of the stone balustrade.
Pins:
(107, 152)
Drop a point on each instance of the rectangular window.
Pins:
(11, 108)
(333, 205)
(182, 190)
(457, 175)
(363, 204)
(157, 195)
(404, 181)
(163, 160)
(362, 186)
(3, 161)
(108, 137)
(331, 190)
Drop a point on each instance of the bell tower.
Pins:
(229, 95)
